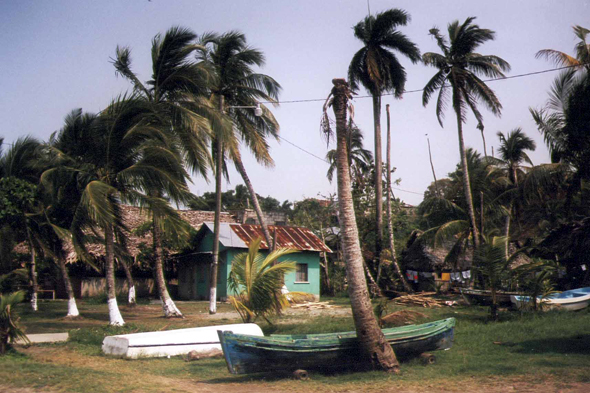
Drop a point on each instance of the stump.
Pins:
(427, 358)
(301, 375)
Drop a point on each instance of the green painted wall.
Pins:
(312, 259)
(200, 274)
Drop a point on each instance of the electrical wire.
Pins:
(408, 92)
(420, 90)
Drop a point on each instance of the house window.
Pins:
(301, 273)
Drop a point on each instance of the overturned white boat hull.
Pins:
(173, 342)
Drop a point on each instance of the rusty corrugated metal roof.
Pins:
(286, 237)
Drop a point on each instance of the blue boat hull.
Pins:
(572, 300)
(247, 354)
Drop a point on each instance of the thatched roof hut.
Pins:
(133, 218)
(422, 257)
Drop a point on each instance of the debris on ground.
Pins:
(314, 305)
(402, 317)
(194, 355)
(424, 299)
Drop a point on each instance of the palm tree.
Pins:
(359, 158)
(398, 270)
(513, 152)
(177, 94)
(551, 119)
(378, 69)
(256, 280)
(459, 70)
(236, 90)
(374, 348)
(40, 219)
(19, 169)
(563, 125)
(9, 328)
(579, 63)
(126, 155)
(492, 264)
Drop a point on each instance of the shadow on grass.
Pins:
(339, 373)
(577, 344)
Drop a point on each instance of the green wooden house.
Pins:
(194, 266)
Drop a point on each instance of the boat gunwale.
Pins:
(294, 345)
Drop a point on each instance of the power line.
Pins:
(409, 92)
(411, 192)
(327, 162)
(302, 149)
(420, 90)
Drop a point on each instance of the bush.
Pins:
(9, 328)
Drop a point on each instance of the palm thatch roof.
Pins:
(133, 217)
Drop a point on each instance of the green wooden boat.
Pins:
(246, 354)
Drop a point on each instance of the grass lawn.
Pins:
(542, 352)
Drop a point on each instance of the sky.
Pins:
(55, 57)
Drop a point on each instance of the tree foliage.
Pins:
(257, 279)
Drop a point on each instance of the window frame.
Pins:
(298, 273)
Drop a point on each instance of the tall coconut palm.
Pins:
(125, 156)
(513, 153)
(177, 94)
(459, 68)
(394, 261)
(236, 90)
(377, 68)
(376, 352)
(359, 158)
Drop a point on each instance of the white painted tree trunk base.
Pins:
(170, 309)
(34, 305)
(213, 301)
(72, 308)
(131, 299)
(115, 316)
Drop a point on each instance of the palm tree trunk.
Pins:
(217, 219)
(432, 167)
(240, 167)
(33, 274)
(389, 215)
(131, 298)
(376, 350)
(72, 307)
(115, 317)
(375, 290)
(467, 184)
(378, 179)
(168, 306)
(483, 138)
(507, 230)
(326, 266)
(494, 307)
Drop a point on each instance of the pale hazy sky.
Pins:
(54, 57)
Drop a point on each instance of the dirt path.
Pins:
(500, 386)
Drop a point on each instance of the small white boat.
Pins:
(173, 342)
(574, 299)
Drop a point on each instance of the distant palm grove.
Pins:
(206, 104)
